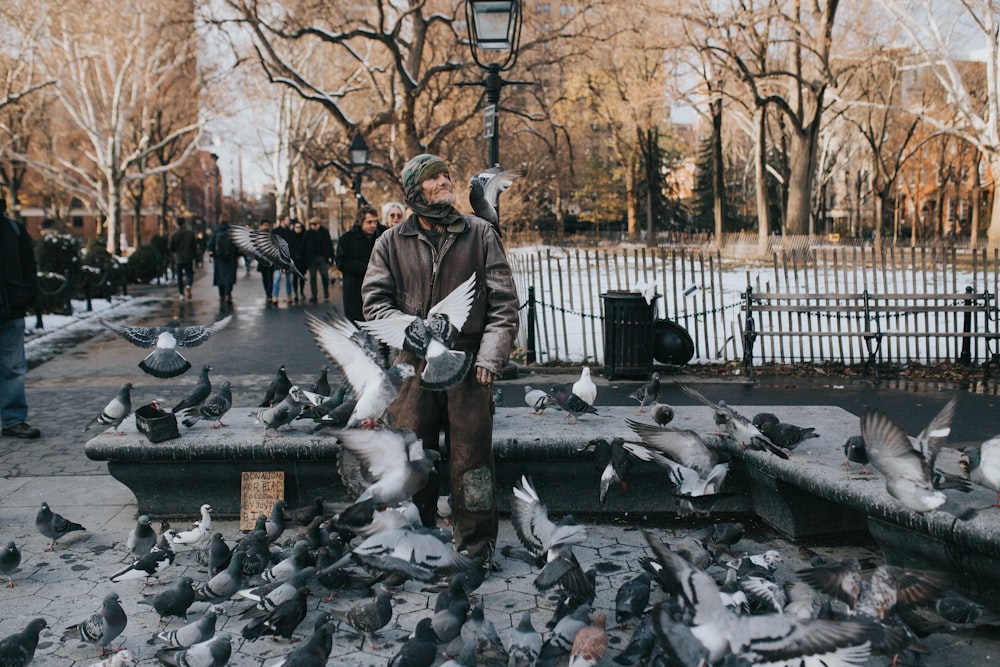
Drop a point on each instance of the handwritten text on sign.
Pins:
(258, 491)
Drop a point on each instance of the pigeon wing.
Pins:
(932, 438)
(381, 451)
(455, 307)
(776, 638)
(391, 330)
(139, 336)
(342, 343)
(247, 240)
(890, 450)
(530, 518)
(683, 446)
(196, 335)
(497, 179)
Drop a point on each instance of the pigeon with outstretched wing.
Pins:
(264, 246)
(165, 361)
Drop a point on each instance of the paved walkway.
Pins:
(67, 585)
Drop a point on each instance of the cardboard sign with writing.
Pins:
(258, 492)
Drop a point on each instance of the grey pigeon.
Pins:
(983, 464)
(420, 650)
(560, 640)
(632, 598)
(782, 433)
(281, 414)
(573, 405)
(322, 384)
(53, 525)
(640, 645)
(115, 411)
(278, 389)
(280, 621)
(165, 361)
(18, 649)
(214, 408)
(661, 413)
(357, 355)
(264, 246)
(219, 554)
(10, 559)
(525, 643)
(466, 657)
(224, 585)
(649, 393)
(288, 567)
(173, 601)
(736, 426)
(269, 596)
(418, 554)
(480, 631)
(257, 555)
(447, 622)
(192, 633)
(104, 626)
(585, 387)
(432, 338)
(274, 525)
(484, 192)
(613, 461)
(393, 464)
(142, 538)
(213, 652)
(304, 515)
(202, 390)
(536, 399)
(313, 652)
(680, 445)
(369, 617)
(150, 564)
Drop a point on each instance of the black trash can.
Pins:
(628, 334)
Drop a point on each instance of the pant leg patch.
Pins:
(478, 486)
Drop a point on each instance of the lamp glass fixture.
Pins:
(492, 23)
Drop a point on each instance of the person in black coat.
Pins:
(296, 246)
(318, 253)
(18, 291)
(225, 260)
(353, 252)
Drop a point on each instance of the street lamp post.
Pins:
(359, 161)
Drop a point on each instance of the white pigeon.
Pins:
(392, 464)
(357, 355)
(199, 534)
(536, 399)
(432, 338)
(485, 188)
(585, 387)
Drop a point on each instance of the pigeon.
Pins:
(285, 569)
(432, 338)
(257, 555)
(480, 631)
(694, 469)
(640, 646)
(174, 601)
(661, 413)
(212, 652)
(484, 192)
(358, 357)
(416, 553)
(525, 643)
(18, 649)
(10, 559)
(393, 463)
(613, 461)
(553, 542)
(590, 644)
(142, 538)
(150, 564)
(585, 387)
(420, 650)
(274, 525)
(219, 554)
(322, 384)
(282, 414)
(632, 598)
(368, 617)
(115, 411)
(560, 640)
(737, 427)
(202, 390)
(104, 626)
(447, 621)
(908, 467)
(466, 657)
(224, 585)
(314, 651)
(536, 399)
(266, 247)
(570, 602)
(192, 633)
(199, 534)
(304, 515)
(573, 405)
(214, 408)
(53, 525)
(782, 433)
(270, 595)
(280, 621)
(165, 361)
(649, 393)
(120, 658)
(983, 464)
(277, 390)
(761, 638)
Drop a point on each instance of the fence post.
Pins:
(966, 356)
(531, 357)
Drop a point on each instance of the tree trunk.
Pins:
(114, 242)
(800, 179)
(631, 202)
(163, 225)
(976, 196)
(763, 221)
(718, 175)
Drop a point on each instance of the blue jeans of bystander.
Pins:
(278, 275)
(13, 368)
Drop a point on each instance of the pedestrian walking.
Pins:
(266, 269)
(225, 261)
(284, 230)
(318, 253)
(296, 247)
(353, 252)
(184, 246)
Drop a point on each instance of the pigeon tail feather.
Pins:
(446, 370)
(164, 363)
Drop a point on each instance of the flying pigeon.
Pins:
(393, 463)
(536, 399)
(420, 650)
(214, 408)
(416, 553)
(192, 633)
(212, 652)
(368, 617)
(173, 601)
(736, 426)
(573, 405)
(10, 558)
(280, 621)
(359, 359)
(484, 192)
(648, 393)
(525, 643)
(264, 246)
(983, 464)
(548, 541)
(142, 538)
(282, 414)
(613, 461)
(53, 525)
(104, 626)
(585, 387)
(18, 649)
(202, 390)
(432, 338)
(165, 361)
(278, 389)
(116, 411)
(590, 644)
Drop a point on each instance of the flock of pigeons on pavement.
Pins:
(716, 605)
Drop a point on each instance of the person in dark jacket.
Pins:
(225, 260)
(18, 291)
(284, 230)
(183, 245)
(318, 253)
(353, 251)
(296, 246)
(266, 269)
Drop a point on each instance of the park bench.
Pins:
(850, 320)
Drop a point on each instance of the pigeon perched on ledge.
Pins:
(115, 412)
(165, 361)
(202, 390)
(214, 408)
